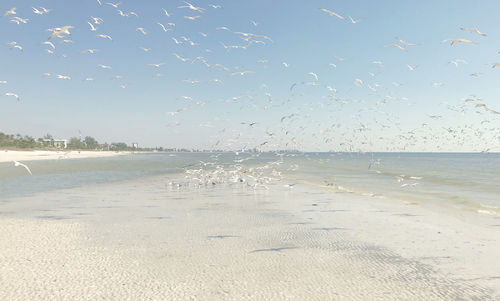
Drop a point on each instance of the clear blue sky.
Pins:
(390, 111)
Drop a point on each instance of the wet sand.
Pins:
(9, 155)
(143, 240)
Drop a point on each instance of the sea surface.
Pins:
(463, 181)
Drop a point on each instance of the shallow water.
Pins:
(458, 180)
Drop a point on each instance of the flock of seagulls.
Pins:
(310, 112)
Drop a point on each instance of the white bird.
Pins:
(354, 21)
(176, 41)
(192, 18)
(215, 6)
(145, 49)
(405, 43)
(18, 20)
(13, 95)
(60, 32)
(412, 68)
(358, 82)
(494, 65)
(192, 7)
(254, 23)
(92, 27)
(11, 11)
(142, 30)
(41, 11)
(486, 108)
(115, 5)
(163, 27)
(166, 12)
(332, 14)
(91, 51)
(396, 46)
(97, 20)
(204, 34)
(104, 66)
(313, 74)
(474, 30)
(50, 44)
(3, 82)
(22, 165)
(285, 64)
(105, 36)
(157, 65)
(65, 77)
(458, 41)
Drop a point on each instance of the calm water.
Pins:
(466, 181)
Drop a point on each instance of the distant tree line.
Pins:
(74, 143)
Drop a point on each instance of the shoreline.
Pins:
(36, 155)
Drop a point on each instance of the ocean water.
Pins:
(448, 180)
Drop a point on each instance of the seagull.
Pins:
(285, 64)
(412, 68)
(142, 30)
(104, 36)
(396, 46)
(215, 6)
(192, 18)
(254, 23)
(92, 27)
(145, 49)
(191, 7)
(404, 43)
(354, 21)
(63, 77)
(473, 30)
(486, 108)
(13, 95)
(91, 51)
(166, 12)
(163, 27)
(494, 65)
(41, 11)
(97, 20)
(104, 66)
(222, 28)
(23, 165)
(313, 74)
(157, 65)
(458, 41)
(115, 5)
(12, 11)
(332, 14)
(50, 44)
(3, 82)
(60, 32)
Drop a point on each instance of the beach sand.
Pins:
(141, 240)
(9, 155)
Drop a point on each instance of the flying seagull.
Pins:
(23, 165)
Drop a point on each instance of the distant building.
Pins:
(57, 143)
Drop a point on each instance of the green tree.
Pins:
(91, 143)
(76, 143)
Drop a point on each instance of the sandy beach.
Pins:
(9, 155)
(143, 240)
